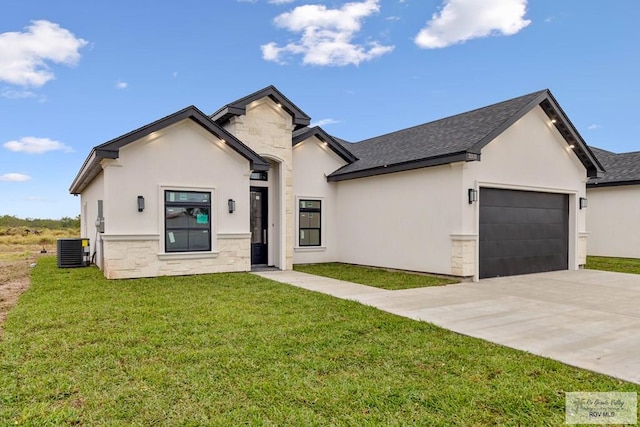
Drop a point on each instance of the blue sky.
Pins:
(75, 74)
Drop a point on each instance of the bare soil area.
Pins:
(14, 278)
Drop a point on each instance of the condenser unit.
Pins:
(73, 253)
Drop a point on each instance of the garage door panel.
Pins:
(544, 216)
(520, 248)
(522, 232)
(523, 265)
(525, 199)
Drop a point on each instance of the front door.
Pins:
(259, 222)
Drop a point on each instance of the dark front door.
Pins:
(259, 222)
(522, 232)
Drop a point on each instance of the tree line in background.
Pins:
(9, 221)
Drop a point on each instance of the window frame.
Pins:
(302, 210)
(186, 204)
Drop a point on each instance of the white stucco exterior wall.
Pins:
(89, 213)
(401, 220)
(182, 157)
(532, 156)
(313, 160)
(530, 153)
(612, 220)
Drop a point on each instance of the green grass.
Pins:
(377, 277)
(237, 349)
(620, 265)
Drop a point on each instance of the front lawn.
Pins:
(620, 265)
(377, 277)
(237, 349)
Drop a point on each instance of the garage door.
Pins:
(522, 232)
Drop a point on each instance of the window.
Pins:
(309, 223)
(259, 176)
(187, 221)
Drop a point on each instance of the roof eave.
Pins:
(224, 114)
(323, 136)
(569, 132)
(92, 167)
(613, 183)
(405, 166)
(561, 121)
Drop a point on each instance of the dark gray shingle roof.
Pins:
(439, 138)
(456, 138)
(622, 169)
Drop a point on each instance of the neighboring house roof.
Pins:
(239, 107)
(457, 138)
(333, 143)
(110, 150)
(622, 169)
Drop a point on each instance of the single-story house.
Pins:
(614, 206)
(491, 192)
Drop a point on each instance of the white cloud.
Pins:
(33, 145)
(326, 35)
(17, 94)
(121, 85)
(14, 177)
(462, 20)
(24, 57)
(594, 126)
(280, 1)
(325, 122)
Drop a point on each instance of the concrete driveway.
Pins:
(586, 318)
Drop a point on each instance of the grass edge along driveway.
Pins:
(374, 276)
(230, 349)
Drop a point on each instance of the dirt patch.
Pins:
(14, 280)
(20, 247)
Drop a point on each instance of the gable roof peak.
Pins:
(239, 107)
(111, 149)
(307, 132)
(460, 137)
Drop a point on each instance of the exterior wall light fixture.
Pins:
(140, 203)
(473, 195)
(232, 205)
(583, 202)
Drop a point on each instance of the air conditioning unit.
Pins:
(73, 253)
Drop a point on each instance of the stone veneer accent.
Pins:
(463, 254)
(128, 257)
(268, 130)
(582, 248)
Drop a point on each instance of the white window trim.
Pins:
(323, 223)
(213, 253)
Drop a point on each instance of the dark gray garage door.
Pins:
(522, 232)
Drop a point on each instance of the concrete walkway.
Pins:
(586, 318)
